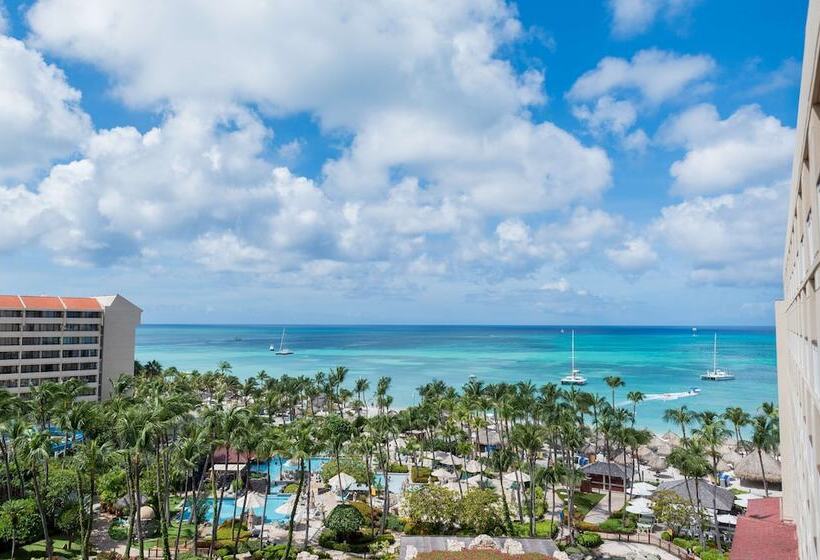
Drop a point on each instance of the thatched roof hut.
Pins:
(657, 463)
(731, 457)
(644, 452)
(748, 468)
(672, 438)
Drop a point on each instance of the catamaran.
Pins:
(283, 351)
(574, 377)
(716, 374)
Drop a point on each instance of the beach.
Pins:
(665, 363)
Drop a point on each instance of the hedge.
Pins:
(327, 539)
(589, 540)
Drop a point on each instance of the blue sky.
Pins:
(612, 161)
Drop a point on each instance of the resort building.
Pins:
(50, 338)
(798, 315)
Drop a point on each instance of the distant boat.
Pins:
(716, 374)
(283, 350)
(574, 377)
(694, 331)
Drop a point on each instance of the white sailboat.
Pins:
(575, 377)
(283, 350)
(716, 374)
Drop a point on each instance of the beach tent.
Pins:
(671, 438)
(341, 482)
(643, 489)
(748, 468)
(473, 466)
(511, 477)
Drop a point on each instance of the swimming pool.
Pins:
(395, 481)
(274, 501)
(272, 467)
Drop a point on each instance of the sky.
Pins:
(589, 162)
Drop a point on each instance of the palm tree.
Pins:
(302, 443)
(711, 435)
(360, 388)
(502, 461)
(690, 460)
(92, 458)
(613, 381)
(530, 439)
(189, 451)
(739, 418)
(338, 431)
(681, 416)
(36, 447)
(765, 440)
(635, 397)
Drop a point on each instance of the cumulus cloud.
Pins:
(633, 256)
(725, 154)
(608, 114)
(731, 239)
(654, 75)
(40, 115)
(632, 17)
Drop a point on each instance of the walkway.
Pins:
(623, 549)
(600, 513)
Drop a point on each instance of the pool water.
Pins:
(395, 481)
(272, 467)
(275, 500)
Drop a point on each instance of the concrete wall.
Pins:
(120, 320)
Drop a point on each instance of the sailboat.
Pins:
(283, 351)
(716, 374)
(575, 377)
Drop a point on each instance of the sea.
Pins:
(665, 363)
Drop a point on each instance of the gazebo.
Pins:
(748, 469)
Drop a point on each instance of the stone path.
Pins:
(621, 549)
(600, 513)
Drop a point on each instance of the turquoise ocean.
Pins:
(654, 360)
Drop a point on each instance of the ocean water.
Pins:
(654, 360)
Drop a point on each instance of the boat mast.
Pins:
(714, 354)
(282, 341)
(572, 371)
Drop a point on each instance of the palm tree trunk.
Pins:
(43, 520)
(370, 490)
(5, 452)
(763, 472)
(90, 524)
(265, 507)
(386, 499)
(195, 501)
(130, 489)
(244, 504)
(182, 514)
(714, 504)
(507, 518)
(307, 505)
(163, 523)
(532, 496)
(137, 506)
(295, 505)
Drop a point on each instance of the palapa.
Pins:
(748, 468)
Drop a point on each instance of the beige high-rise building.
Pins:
(51, 338)
(798, 315)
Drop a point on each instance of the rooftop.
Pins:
(49, 303)
(762, 535)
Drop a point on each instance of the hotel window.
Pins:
(9, 327)
(30, 368)
(8, 383)
(31, 355)
(50, 354)
(43, 327)
(50, 367)
(83, 314)
(9, 341)
(10, 313)
(9, 355)
(8, 369)
(88, 365)
(810, 235)
(81, 327)
(71, 367)
(50, 340)
(45, 314)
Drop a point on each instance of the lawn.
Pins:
(187, 533)
(543, 529)
(38, 550)
(584, 501)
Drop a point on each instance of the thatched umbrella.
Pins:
(657, 463)
(672, 438)
(723, 466)
(643, 452)
(748, 468)
(664, 450)
(146, 513)
(731, 457)
(655, 442)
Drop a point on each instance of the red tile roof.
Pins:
(233, 456)
(761, 535)
(42, 303)
(81, 304)
(49, 303)
(10, 302)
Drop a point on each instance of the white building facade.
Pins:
(53, 338)
(798, 315)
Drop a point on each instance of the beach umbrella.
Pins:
(643, 489)
(664, 450)
(476, 480)
(731, 457)
(671, 438)
(147, 513)
(658, 463)
(252, 500)
(473, 466)
(644, 451)
(511, 477)
(341, 482)
(748, 468)
(443, 474)
(286, 508)
(640, 506)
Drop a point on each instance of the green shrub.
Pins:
(112, 486)
(615, 525)
(345, 521)
(118, 530)
(586, 526)
(290, 488)
(20, 516)
(110, 555)
(395, 523)
(420, 474)
(589, 540)
(712, 554)
(684, 543)
(353, 466)
(364, 509)
(666, 536)
(397, 468)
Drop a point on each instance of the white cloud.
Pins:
(632, 17)
(40, 115)
(636, 141)
(655, 75)
(225, 252)
(634, 256)
(560, 285)
(607, 115)
(724, 154)
(290, 151)
(733, 239)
